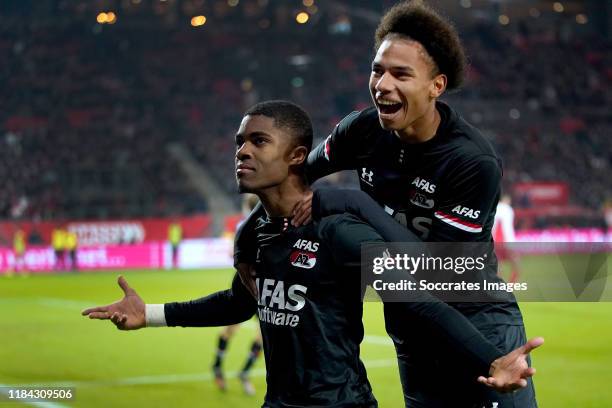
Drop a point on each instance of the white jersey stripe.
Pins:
(457, 223)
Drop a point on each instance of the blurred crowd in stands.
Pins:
(88, 111)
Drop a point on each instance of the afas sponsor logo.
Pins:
(272, 293)
(458, 222)
(461, 222)
(304, 255)
(306, 245)
(424, 185)
(275, 300)
(467, 212)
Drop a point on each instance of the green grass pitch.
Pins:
(45, 341)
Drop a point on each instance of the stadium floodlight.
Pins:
(198, 21)
(102, 18)
(302, 17)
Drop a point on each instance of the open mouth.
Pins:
(388, 107)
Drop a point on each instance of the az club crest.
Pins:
(421, 200)
(302, 259)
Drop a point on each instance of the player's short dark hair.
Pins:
(287, 115)
(437, 35)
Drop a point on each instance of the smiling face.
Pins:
(402, 83)
(264, 154)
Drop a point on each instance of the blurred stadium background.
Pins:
(116, 125)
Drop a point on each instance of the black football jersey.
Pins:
(310, 315)
(310, 310)
(443, 190)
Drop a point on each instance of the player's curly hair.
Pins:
(424, 25)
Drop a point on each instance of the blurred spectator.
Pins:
(88, 111)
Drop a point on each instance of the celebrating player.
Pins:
(309, 286)
(434, 173)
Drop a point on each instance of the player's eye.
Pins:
(258, 141)
(402, 75)
(378, 69)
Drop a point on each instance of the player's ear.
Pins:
(438, 86)
(298, 155)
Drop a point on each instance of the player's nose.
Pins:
(383, 85)
(243, 151)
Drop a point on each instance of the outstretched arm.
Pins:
(329, 201)
(222, 308)
(346, 233)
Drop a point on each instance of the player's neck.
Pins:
(422, 129)
(279, 201)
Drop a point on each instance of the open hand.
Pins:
(126, 314)
(510, 372)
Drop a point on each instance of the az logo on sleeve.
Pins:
(301, 259)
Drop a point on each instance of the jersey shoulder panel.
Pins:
(472, 143)
(468, 142)
(358, 125)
